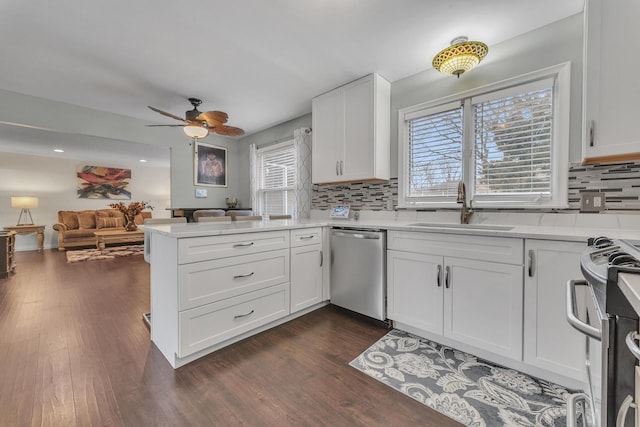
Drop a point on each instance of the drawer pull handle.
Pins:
(243, 245)
(238, 316)
(240, 276)
(306, 237)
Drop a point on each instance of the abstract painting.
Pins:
(210, 165)
(101, 182)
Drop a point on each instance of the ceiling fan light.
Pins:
(460, 57)
(195, 131)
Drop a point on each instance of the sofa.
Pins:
(76, 228)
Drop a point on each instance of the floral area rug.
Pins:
(470, 390)
(108, 253)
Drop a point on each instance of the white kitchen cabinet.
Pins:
(465, 288)
(351, 132)
(415, 290)
(550, 342)
(208, 291)
(610, 107)
(307, 265)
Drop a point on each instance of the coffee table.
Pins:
(105, 237)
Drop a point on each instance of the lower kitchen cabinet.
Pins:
(211, 324)
(550, 343)
(414, 290)
(306, 276)
(483, 305)
(476, 302)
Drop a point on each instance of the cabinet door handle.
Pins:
(240, 276)
(532, 262)
(238, 316)
(337, 167)
(446, 277)
(592, 135)
(438, 275)
(341, 172)
(321, 258)
(243, 245)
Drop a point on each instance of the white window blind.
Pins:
(513, 141)
(435, 152)
(277, 179)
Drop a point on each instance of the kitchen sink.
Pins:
(462, 226)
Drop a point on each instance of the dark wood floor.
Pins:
(75, 352)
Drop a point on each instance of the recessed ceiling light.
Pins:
(58, 150)
(143, 161)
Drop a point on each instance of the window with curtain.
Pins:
(276, 184)
(509, 145)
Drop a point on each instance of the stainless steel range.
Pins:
(609, 320)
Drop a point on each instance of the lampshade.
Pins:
(195, 131)
(460, 57)
(24, 202)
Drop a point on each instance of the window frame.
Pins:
(260, 190)
(559, 148)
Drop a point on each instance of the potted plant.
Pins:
(130, 211)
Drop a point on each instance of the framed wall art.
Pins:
(210, 165)
(101, 182)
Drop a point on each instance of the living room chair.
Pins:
(248, 218)
(178, 220)
(207, 213)
(215, 219)
(279, 216)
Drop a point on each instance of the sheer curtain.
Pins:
(253, 177)
(302, 145)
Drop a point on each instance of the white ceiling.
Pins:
(260, 61)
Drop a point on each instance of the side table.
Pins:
(30, 229)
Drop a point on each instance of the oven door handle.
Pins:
(631, 344)
(571, 407)
(581, 326)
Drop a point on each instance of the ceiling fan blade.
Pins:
(164, 113)
(213, 118)
(171, 126)
(228, 130)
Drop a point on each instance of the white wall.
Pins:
(53, 181)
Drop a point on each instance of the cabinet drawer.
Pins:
(211, 324)
(306, 236)
(213, 247)
(209, 281)
(506, 250)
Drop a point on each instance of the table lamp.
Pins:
(24, 203)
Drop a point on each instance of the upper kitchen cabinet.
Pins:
(351, 132)
(610, 107)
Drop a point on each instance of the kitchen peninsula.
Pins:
(215, 284)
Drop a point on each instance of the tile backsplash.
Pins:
(619, 181)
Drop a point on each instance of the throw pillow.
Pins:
(109, 222)
(86, 220)
(70, 219)
(139, 219)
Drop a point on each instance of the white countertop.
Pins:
(545, 232)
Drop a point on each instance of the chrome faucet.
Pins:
(465, 213)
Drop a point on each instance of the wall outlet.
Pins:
(592, 202)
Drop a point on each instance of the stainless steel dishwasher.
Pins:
(358, 271)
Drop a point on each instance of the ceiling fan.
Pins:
(197, 124)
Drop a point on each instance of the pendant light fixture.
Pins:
(460, 57)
